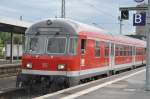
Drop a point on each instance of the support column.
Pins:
(11, 48)
(148, 50)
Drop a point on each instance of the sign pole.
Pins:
(148, 50)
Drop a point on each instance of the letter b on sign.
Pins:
(139, 19)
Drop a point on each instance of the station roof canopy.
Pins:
(13, 25)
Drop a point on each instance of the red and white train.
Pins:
(64, 52)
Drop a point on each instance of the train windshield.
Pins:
(34, 45)
(51, 45)
(56, 45)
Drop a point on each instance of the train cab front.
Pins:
(50, 57)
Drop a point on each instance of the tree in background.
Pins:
(5, 39)
(17, 39)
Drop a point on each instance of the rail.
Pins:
(13, 93)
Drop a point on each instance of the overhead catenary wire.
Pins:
(100, 11)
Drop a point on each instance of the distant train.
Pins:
(62, 53)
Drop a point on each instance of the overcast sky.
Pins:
(104, 13)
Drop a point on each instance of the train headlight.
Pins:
(29, 65)
(61, 66)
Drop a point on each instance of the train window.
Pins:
(83, 46)
(130, 51)
(116, 50)
(112, 49)
(126, 50)
(73, 46)
(124, 53)
(106, 49)
(33, 45)
(56, 45)
(134, 51)
(97, 48)
(137, 51)
(141, 51)
(121, 51)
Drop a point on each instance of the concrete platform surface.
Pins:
(130, 85)
(8, 82)
(3, 61)
(9, 65)
(130, 88)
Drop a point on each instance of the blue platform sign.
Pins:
(139, 19)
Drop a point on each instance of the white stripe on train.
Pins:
(78, 73)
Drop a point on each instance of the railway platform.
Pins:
(3, 62)
(130, 88)
(7, 83)
(130, 85)
(9, 69)
(9, 65)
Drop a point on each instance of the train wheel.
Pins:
(55, 87)
(134, 67)
(115, 72)
(109, 73)
(20, 84)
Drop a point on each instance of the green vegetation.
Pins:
(1, 53)
(5, 39)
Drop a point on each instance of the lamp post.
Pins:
(63, 8)
(120, 25)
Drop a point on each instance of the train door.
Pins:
(83, 52)
(133, 55)
(111, 55)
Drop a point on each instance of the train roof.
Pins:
(76, 28)
(129, 40)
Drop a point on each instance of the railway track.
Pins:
(21, 93)
(7, 70)
(13, 93)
